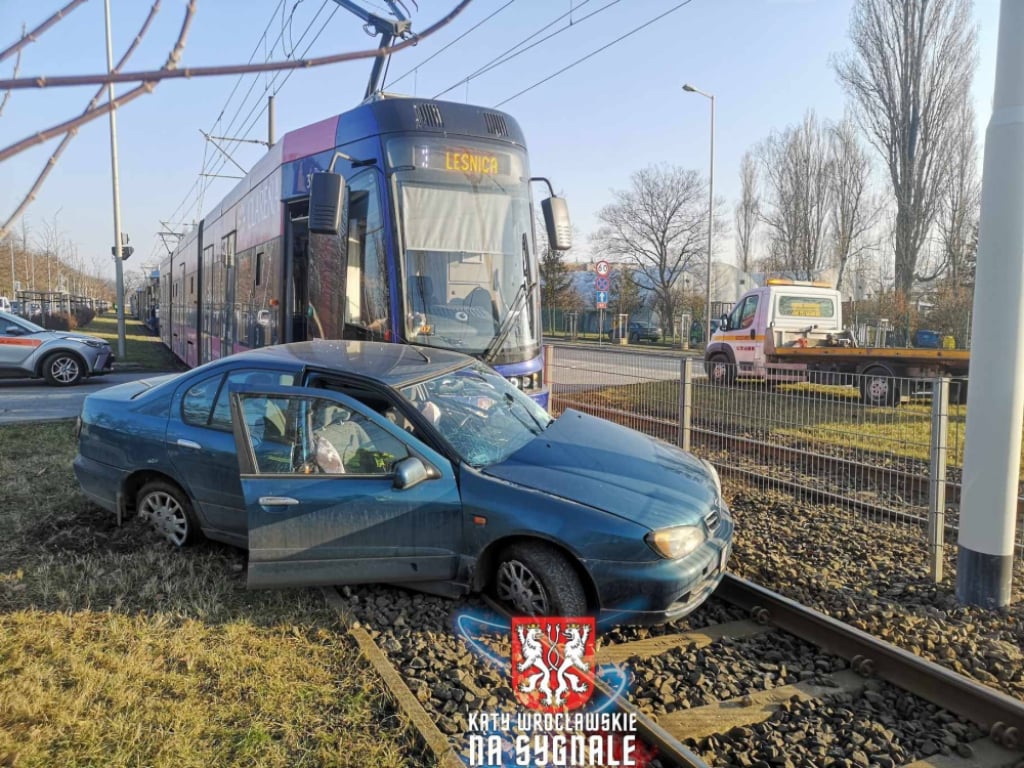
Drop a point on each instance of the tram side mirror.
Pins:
(556, 221)
(326, 197)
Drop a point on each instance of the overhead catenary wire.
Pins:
(223, 109)
(461, 37)
(595, 52)
(507, 55)
(261, 105)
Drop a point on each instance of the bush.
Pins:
(84, 315)
(56, 321)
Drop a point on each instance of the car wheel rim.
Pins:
(878, 389)
(64, 369)
(166, 515)
(518, 587)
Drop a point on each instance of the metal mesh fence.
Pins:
(860, 444)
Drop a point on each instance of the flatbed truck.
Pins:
(792, 331)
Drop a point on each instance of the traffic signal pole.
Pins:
(118, 266)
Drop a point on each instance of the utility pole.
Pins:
(118, 266)
(995, 401)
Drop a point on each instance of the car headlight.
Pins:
(714, 475)
(676, 542)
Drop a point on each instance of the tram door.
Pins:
(296, 325)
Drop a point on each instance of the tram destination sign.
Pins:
(463, 160)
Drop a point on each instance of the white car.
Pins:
(62, 358)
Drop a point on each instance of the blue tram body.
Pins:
(438, 246)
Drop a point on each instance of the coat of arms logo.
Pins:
(553, 661)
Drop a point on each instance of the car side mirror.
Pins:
(13, 330)
(411, 471)
(723, 323)
(326, 203)
(556, 222)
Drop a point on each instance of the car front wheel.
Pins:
(168, 509)
(537, 580)
(63, 369)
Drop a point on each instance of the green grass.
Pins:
(830, 417)
(117, 650)
(142, 349)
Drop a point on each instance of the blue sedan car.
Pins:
(340, 462)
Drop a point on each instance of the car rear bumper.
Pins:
(100, 482)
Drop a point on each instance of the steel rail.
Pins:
(669, 747)
(941, 686)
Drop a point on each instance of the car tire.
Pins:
(169, 510)
(880, 387)
(634, 338)
(535, 579)
(63, 369)
(720, 372)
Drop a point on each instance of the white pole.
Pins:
(118, 266)
(995, 406)
(711, 218)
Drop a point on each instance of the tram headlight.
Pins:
(515, 382)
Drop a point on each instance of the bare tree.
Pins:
(961, 202)
(748, 209)
(908, 75)
(854, 210)
(659, 226)
(797, 196)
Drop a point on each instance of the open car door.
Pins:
(337, 494)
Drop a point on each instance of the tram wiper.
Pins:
(518, 305)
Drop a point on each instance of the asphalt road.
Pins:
(586, 366)
(33, 400)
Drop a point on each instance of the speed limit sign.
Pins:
(603, 268)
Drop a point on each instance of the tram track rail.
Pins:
(999, 718)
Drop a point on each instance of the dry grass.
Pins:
(823, 415)
(117, 650)
(142, 349)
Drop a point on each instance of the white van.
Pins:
(5, 304)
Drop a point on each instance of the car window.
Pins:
(198, 401)
(221, 418)
(320, 437)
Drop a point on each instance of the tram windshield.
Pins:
(467, 266)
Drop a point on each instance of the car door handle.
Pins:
(189, 443)
(752, 333)
(278, 501)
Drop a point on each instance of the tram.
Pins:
(403, 220)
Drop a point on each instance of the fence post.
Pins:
(685, 401)
(548, 373)
(937, 477)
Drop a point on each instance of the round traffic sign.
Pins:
(603, 268)
(602, 283)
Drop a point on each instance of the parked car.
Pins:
(638, 331)
(364, 462)
(697, 330)
(62, 358)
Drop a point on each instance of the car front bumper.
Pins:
(660, 591)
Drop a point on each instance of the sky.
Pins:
(587, 129)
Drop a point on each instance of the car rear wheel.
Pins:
(63, 369)
(168, 509)
(537, 580)
(634, 337)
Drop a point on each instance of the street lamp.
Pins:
(711, 206)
